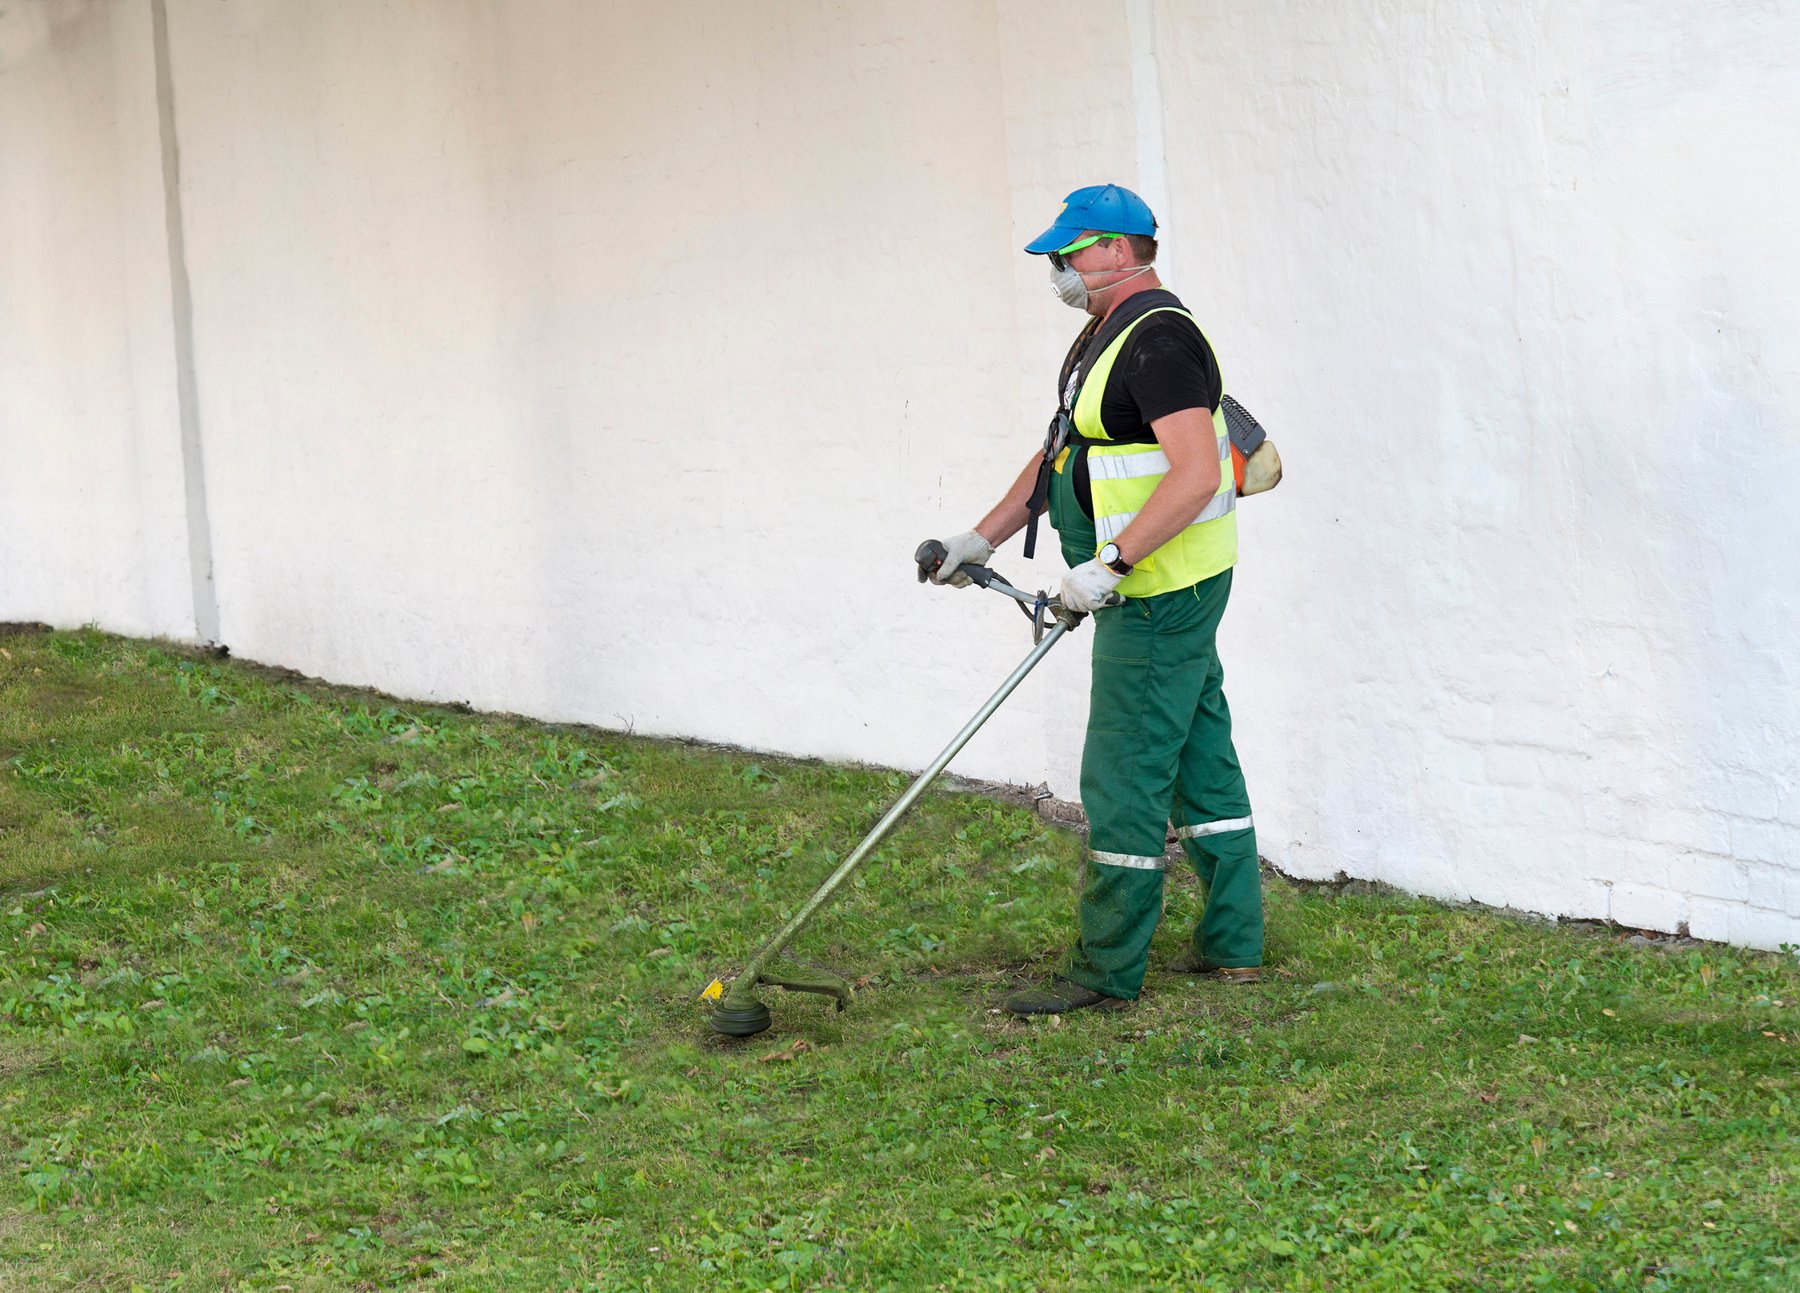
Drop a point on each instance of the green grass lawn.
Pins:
(303, 989)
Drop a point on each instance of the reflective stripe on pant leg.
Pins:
(1213, 828)
(1214, 822)
(1144, 692)
(1128, 860)
(1203, 860)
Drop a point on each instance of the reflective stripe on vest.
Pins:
(1152, 461)
(1108, 528)
(1122, 477)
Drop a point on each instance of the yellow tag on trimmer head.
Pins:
(714, 991)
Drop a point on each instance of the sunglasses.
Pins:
(1059, 257)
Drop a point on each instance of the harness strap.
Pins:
(1091, 344)
(1061, 428)
(1142, 436)
(1096, 337)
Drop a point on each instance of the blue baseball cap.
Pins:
(1104, 208)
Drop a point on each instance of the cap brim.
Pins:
(1057, 235)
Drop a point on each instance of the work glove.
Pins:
(961, 551)
(1086, 587)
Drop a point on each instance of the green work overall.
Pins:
(1158, 751)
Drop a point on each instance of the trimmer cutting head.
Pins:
(741, 1021)
(739, 1012)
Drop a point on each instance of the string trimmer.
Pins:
(739, 1013)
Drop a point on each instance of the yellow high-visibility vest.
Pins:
(1123, 476)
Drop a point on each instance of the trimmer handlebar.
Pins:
(930, 559)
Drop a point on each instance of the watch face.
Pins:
(1109, 554)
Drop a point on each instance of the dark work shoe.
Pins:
(1189, 962)
(1062, 996)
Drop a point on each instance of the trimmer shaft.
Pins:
(739, 1013)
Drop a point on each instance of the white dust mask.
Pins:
(1073, 289)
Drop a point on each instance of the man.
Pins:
(1136, 474)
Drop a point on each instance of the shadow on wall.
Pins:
(67, 26)
(24, 27)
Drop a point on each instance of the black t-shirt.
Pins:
(1166, 366)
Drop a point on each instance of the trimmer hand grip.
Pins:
(930, 559)
(930, 556)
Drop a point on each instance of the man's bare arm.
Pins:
(1188, 441)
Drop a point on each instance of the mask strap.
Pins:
(1095, 291)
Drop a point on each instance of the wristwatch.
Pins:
(1114, 560)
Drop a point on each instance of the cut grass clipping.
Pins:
(302, 989)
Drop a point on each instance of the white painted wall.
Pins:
(1519, 289)
(605, 363)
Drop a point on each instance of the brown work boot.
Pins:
(1062, 996)
(1189, 962)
